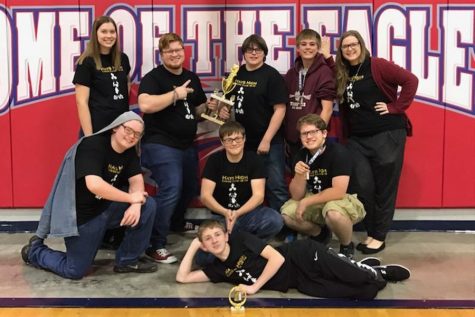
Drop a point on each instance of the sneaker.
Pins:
(190, 228)
(161, 256)
(394, 272)
(138, 267)
(348, 250)
(324, 236)
(25, 251)
(370, 261)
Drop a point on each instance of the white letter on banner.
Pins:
(423, 65)
(5, 60)
(35, 54)
(270, 21)
(459, 86)
(391, 22)
(127, 33)
(233, 19)
(153, 24)
(200, 25)
(71, 24)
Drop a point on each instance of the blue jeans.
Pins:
(175, 172)
(264, 222)
(276, 188)
(81, 250)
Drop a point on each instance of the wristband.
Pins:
(175, 96)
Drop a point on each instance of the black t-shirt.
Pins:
(244, 264)
(365, 120)
(334, 161)
(174, 126)
(108, 88)
(233, 180)
(256, 93)
(95, 156)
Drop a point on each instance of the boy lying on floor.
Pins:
(306, 265)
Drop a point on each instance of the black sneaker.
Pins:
(394, 272)
(324, 237)
(25, 251)
(370, 261)
(137, 267)
(348, 250)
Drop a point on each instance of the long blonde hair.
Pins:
(343, 66)
(93, 48)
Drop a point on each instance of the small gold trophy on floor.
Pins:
(237, 298)
(227, 86)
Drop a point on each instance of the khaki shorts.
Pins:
(349, 206)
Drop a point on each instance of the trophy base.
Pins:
(238, 309)
(212, 119)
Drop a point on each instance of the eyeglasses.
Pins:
(229, 141)
(256, 50)
(130, 131)
(310, 133)
(351, 45)
(171, 52)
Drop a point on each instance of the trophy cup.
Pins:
(227, 85)
(237, 298)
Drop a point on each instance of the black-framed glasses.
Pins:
(229, 141)
(130, 131)
(310, 133)
(256, 50)
(351, 45)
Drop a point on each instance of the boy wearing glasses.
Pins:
(172, 99)
(260, 99)
(88, 198)
(233, 185)
(319, 187)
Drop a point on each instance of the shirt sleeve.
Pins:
(148, 85)
(125, 63)
(326, 87)
(211, 168)
(84, 72)
(341, 165)
(90, 157)
(198, 91)
(277, 90)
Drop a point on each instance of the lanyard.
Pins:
(302, 74)
(313, 158)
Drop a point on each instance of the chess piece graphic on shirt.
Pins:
(237, 298)
(227, 85)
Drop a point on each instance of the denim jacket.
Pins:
(58, 218)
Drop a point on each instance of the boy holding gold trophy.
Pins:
(227, 85)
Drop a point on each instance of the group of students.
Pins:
(100, 184)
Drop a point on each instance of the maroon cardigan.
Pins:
(388, 77)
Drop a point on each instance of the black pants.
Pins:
(377, 164)
(322, 272)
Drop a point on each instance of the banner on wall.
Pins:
(39, 46)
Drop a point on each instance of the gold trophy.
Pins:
(237, 298)
(227, 85)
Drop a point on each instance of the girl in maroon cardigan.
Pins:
(375, 122)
